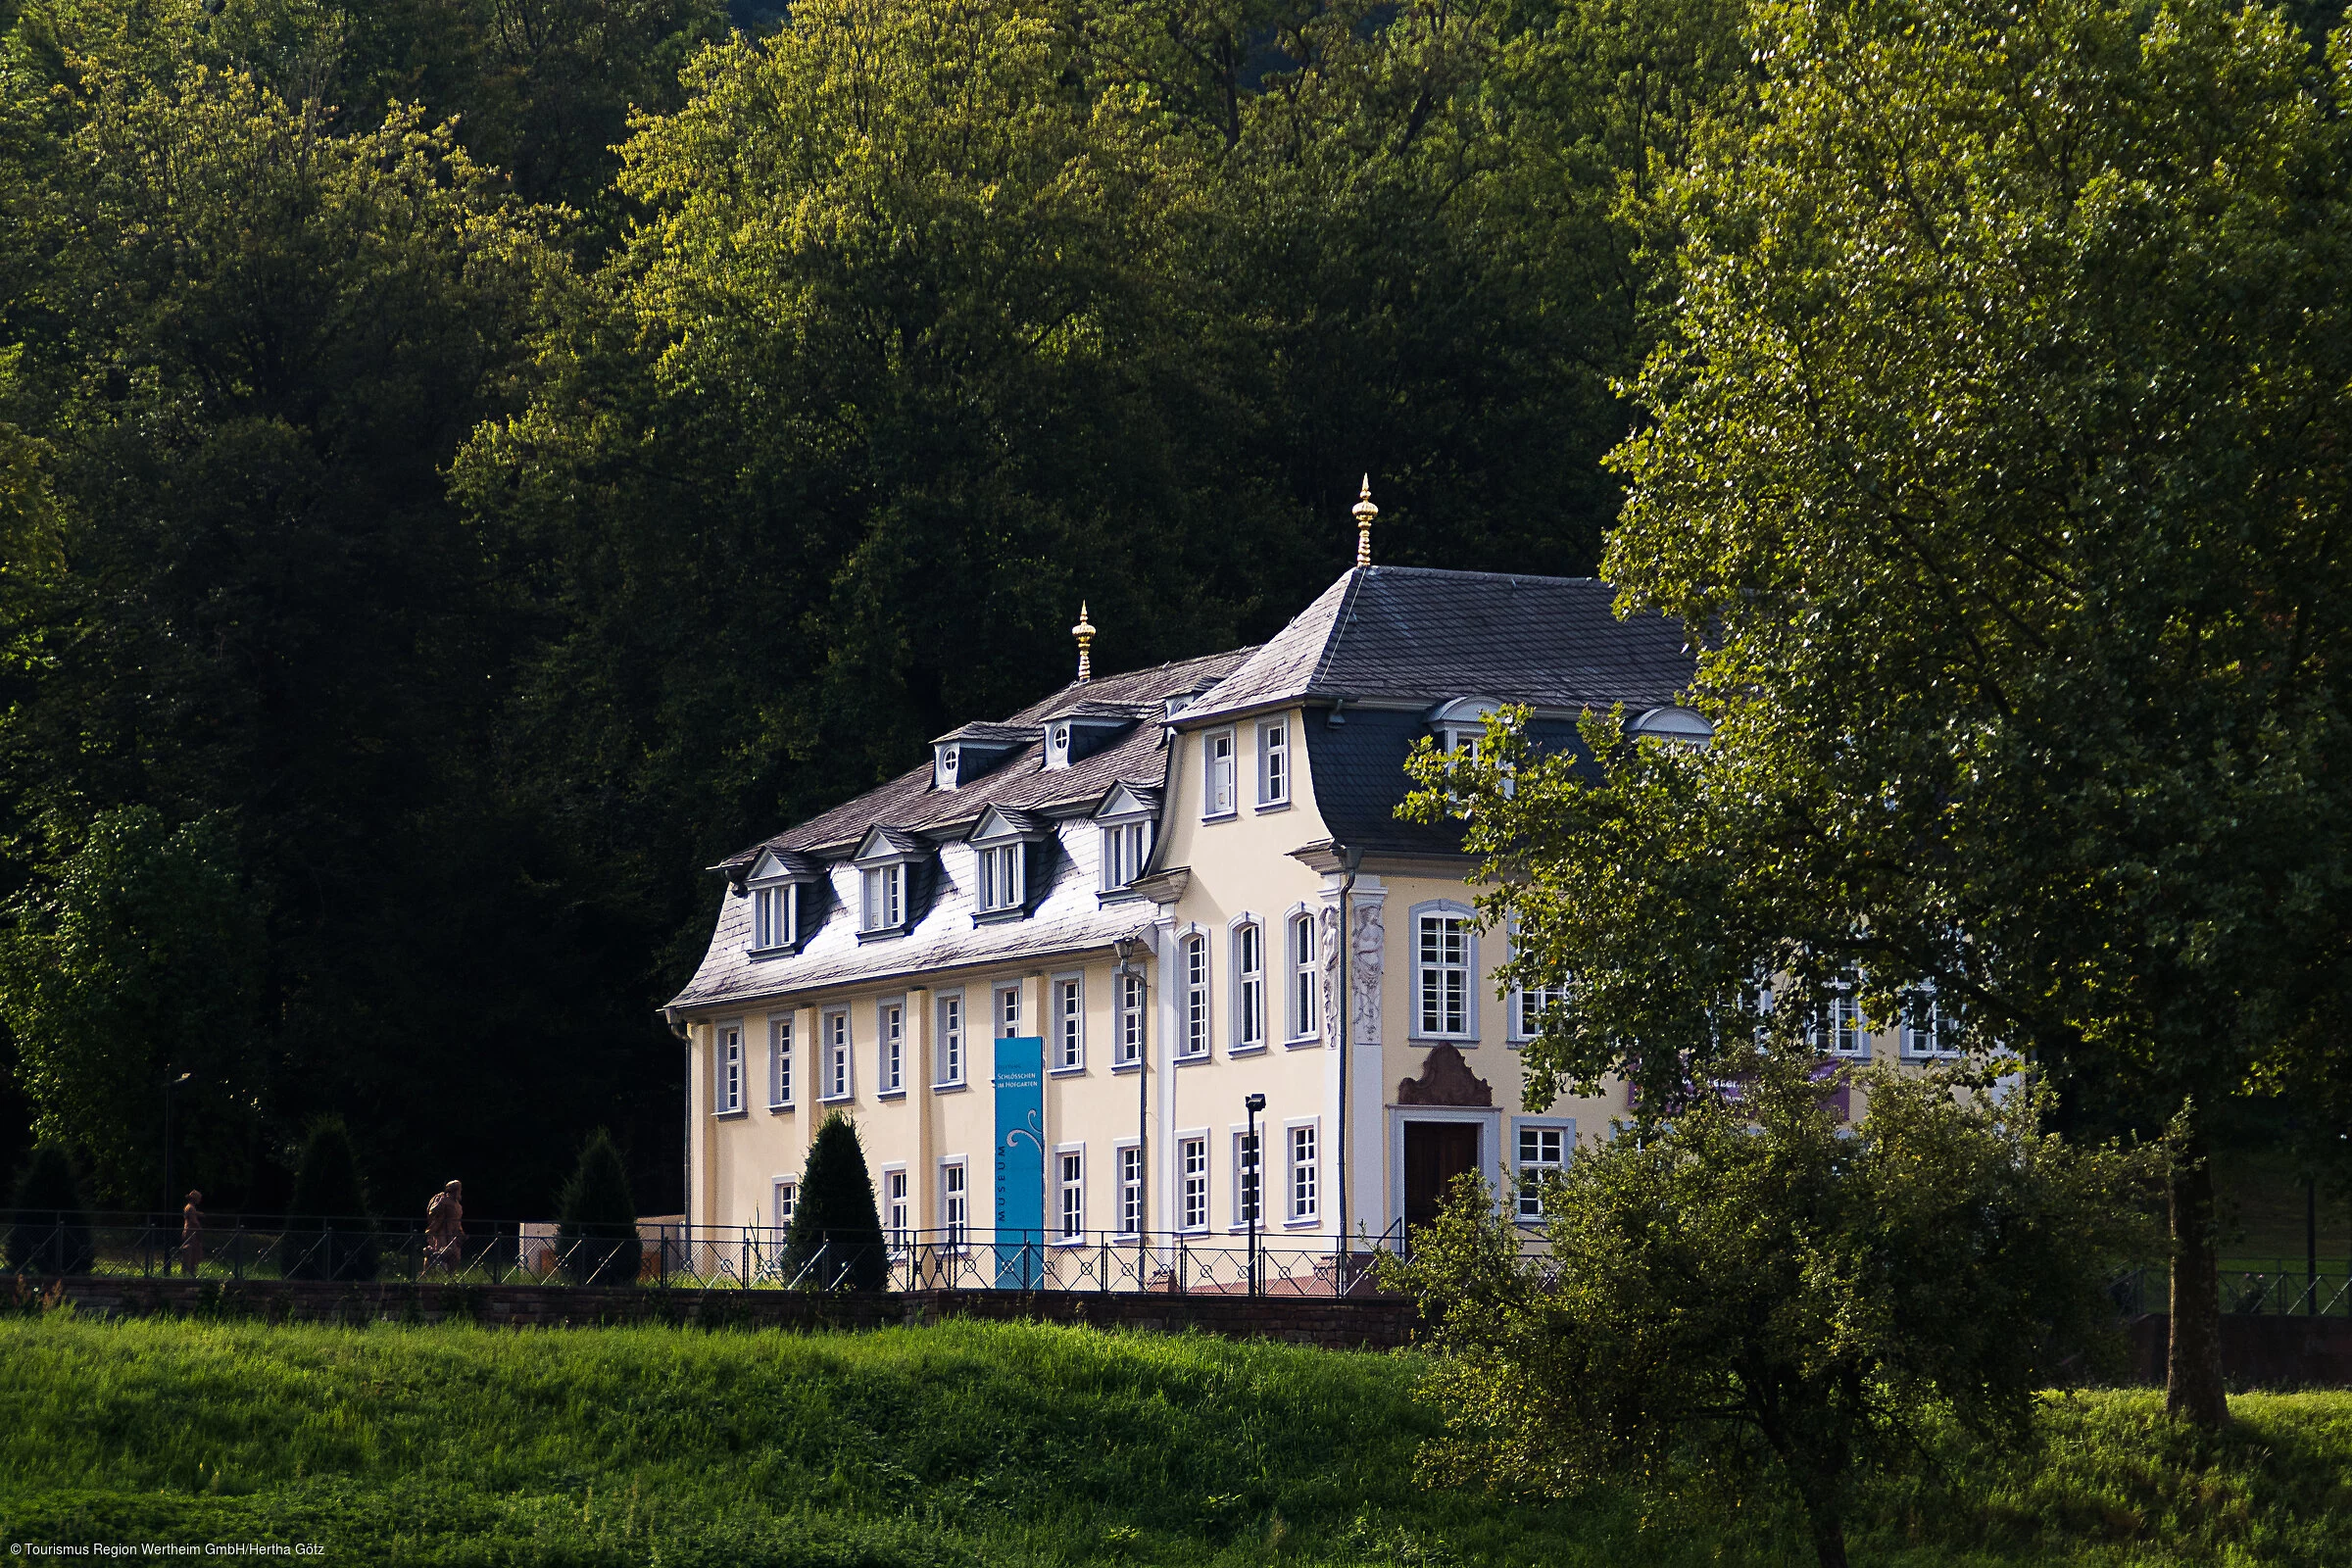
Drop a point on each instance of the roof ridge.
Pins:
(1459, 572)
(1339, 625)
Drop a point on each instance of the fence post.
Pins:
(1184, 1259)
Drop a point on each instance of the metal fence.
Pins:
(668, 1254)
(2295, 1290)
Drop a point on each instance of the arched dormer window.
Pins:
(1461, 724)
(1681, 726)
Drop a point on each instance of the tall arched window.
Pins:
(1249, 986)
(1193, 958)
(1305, 975)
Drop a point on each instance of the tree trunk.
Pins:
(2193, 1375)
(1829, 1540)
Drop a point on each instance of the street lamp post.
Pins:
(170, 1082)
(1256, 1186)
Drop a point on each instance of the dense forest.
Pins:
(467, 464)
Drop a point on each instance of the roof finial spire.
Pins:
(1083, 631)
(1365, 511)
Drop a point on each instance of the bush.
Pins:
(836, 1238)
(51, 1231)
(330, 1234)
(595, 1218)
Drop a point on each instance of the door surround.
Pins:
(1490, 1147)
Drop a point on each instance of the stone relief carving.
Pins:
(1446, 1080)
(1327, 939)
(1364, 963)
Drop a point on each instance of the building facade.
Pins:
(1191, 884)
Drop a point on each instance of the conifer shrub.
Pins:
(330, 1234)
(50, 1232)
(595, 1218)
(836, 1238)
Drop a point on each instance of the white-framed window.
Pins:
(948, 1048)
(891, 1034)
(898, 1213)
(1249, 986)
(786, 1196)
(779, 1060)
(1131, 1189)
(1307, 974)
(1304, 1171)
(1191, 954)
(884, 905)
(775, 915)
(1543, 1150)
(1216, 755)
(1192, 1174)
(1923, 1033)
(726, 1088)
(1445, 1005)
(1069, 1024)
(1842, 1027)
(1001, 872)
(1528, 1007)
(837, 1055)
(1069, 1171)
(1009, 1012)
(955, 1203)
(1274, 763)
(1246, 1171)
(1126, 850)
(1132, 1014)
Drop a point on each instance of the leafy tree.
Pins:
(1997, 470)
(330, 1228)
(138, 959)
(836, 1237)
(49, 1231)
(1752, 1295)
(595, 1218)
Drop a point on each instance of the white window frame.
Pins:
(882, 892)
(1528, 1005)
(898, 1209)
(1219, 799)
(948, 1041)
(784, 1196)
(1069, 1194)
(1127, 1162)
(1428, 973)
(1274, 764)
(1126, 850)
(775, 915)
(1191, 1180)
(1302, 1171)
(1844, 1033)
(1527, 1203)
(1004, 1023)
(955, 1202)
(839, 1063)
(779, 1061)
(1302, 947)
(890, 1046)
(1246, 939)
(1192, 961)
(1938, 1030)
(726, 1068)
(1247, 1184)
(1135, 1014)
(1004, 877)
(1067, 993)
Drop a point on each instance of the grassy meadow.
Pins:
(970, 1444)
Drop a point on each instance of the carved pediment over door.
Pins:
(1446, 1080)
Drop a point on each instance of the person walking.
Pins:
(191, 1234)
(445, 1229)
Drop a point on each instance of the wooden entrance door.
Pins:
(1434, 1154)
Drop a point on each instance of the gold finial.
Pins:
(1365, 511)
(1083, 631)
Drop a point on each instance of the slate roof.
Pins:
(1019, 779)
(1418, 634)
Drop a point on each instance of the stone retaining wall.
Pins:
(1379, 1323)
(2263, 1351)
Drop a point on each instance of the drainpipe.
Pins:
(1143, 1110)
(1352, 859)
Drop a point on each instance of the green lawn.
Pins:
(973, 1444)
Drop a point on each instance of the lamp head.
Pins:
(1253, 1103)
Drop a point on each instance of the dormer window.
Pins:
(785, 907)
(885, 902)
(887, 863)
(1006, 844)
(1461, 724)
(963, 754)
(946, 762)
(1004, 883)
(1127, 816)
(1677, 727)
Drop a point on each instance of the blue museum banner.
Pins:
(1021, 1083)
